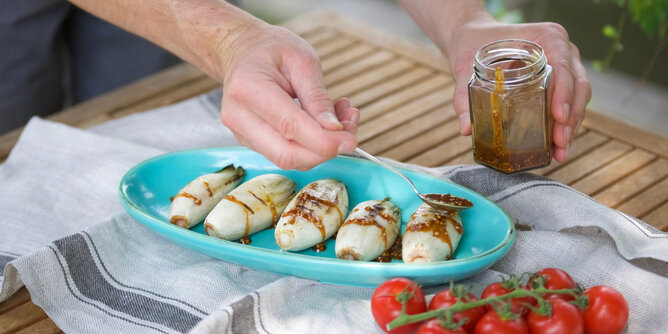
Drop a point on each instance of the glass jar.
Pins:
(510, 120)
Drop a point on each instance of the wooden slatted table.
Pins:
(404, 91)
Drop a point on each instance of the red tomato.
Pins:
(565, 319)
(491, 323)
(555, 279)
(516, 304)
(433, 326)
(385, 307)
(446, 298)
(607, 312)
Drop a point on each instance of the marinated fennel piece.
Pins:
(313, 216)
(253, 206)
(371, 228)
(431, 235)
(200, 196)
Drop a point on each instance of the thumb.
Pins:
(308, 86)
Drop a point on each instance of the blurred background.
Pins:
(623, 43)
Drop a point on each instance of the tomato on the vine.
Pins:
(433, 326)
(607, 312)
(517, 305)
(447, 298)
(385, 307)
(492, 323)
(565, 318)
(555, 279)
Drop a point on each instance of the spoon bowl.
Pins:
(437, 201)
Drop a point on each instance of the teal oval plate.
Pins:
(146, 189)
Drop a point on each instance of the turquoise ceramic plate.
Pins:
(146, 189)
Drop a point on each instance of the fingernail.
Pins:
(356, 117)
(346, 147)
(346, 103)
(329, 117)
(567, 111)
(567, 135)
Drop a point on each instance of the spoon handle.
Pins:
(374, 159)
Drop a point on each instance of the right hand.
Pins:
(266, 69)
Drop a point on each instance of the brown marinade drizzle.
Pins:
(319, 247)
(300, 210)
(394, 253)
(208, 188)
(245, 240)
(193, 197)
(369, 219)
(245, 208)
(437, 226)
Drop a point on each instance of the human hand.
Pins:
(569, 88)
(269, 67)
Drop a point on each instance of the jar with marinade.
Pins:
(510, 119)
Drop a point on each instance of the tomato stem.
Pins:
(404, 318)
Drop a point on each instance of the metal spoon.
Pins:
(438, 201)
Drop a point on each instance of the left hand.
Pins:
(570, 90)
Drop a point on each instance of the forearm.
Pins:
(440, 19)
(202, 32)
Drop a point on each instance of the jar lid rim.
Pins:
(514, 70)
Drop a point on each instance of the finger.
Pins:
(344, 112)
(352, 115)
(560, 154)
(253, 132)
(562, 134)
(562, 100)
(305, 76)
(278, 109)
(460, 102)
(582, 91)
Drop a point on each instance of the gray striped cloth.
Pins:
(93, 269)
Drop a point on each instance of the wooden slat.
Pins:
(617, 170)
(46, 326)
(402, 115)
(320, 36)
(446, 151)
(634, 184)
(658, 218)
(408, 130)
(642, 204)
(580, 146)
(637, 137)
(335, 45)
(597, 158)
(437, 83)
(20, 317)
(368, 78)
(362, 98)
(354, 53)
(444, 132)
(353, 69)
(465, 158)
(21, 296)
(373, 35)
(195, 88)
